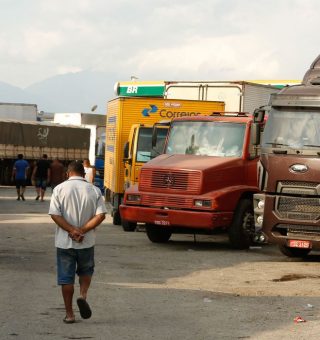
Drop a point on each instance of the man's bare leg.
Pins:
(84, 282)
(23, 189)
(38, 193)
(42, 192)
(67, 293)
(18, 193)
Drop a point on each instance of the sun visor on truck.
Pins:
(312, 76)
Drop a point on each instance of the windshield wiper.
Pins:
(312, 146)
(277, 144)
(145, 154)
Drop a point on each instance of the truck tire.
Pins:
(242, 225)
(129, 226)
(116, 218)
(157, 234)
(294, 252)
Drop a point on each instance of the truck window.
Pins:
(161, 138)
(292, 128)
(144, 147)
(100, 143)
(206, 138)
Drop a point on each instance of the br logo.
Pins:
(152, 109)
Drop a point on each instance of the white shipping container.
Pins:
(17, 111)
(239, 96)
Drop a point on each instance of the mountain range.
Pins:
(71, 92)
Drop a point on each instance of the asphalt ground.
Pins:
(185, 289)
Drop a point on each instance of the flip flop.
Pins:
(84, 308)
(67, 320)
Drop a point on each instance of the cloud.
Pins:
(203, 58)
(205, 39)
(38, 44)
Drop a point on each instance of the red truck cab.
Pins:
(203, 183)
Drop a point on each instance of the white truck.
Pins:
(18, 111)
(96, 123)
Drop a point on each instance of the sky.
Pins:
(158, 39)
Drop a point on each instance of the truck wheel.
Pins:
(157, 234)
(116, 218)
(129, 226)
(294, 252)
(242, 226)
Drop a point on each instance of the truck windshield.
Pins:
(144, 148)
(292, 128)
(206, 138)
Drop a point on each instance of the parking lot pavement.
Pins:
(179, 290)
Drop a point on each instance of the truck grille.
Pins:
(166, 201)
(298, 208)
(298, 188)
(170, 181)
(296, 229)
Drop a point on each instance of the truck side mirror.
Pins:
(258, 115)
(126, 151)
(255, 133)
(154, 136)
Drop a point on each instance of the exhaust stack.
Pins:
(312, 76)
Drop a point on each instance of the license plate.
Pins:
(299, 244)
(162, 222)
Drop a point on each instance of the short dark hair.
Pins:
(20, 156)
(76, 167)
(45, 156)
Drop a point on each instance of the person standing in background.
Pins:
(41, 175)
(19, 174)
(57, 173)
(90, 171)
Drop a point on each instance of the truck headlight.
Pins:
(260, 220)
(133, 198)
(202, 203)
(261, 204)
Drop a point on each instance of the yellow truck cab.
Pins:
(138, 150)
(129, 128)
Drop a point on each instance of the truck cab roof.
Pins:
(235, 117)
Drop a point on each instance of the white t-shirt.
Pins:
(88, 174)
(77, 201)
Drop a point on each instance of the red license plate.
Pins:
(299, 244)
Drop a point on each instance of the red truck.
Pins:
(203, 183)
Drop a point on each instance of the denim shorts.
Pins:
(41, 183)
(72, 261)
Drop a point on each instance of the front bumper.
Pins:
(176, 218)
(281, 230)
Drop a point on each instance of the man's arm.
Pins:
(49, 175)
(93, 223)
(75, 233)
(93, 174)
(34, 172)
(13, 172)
(26, 172)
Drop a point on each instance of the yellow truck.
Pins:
(129, 130)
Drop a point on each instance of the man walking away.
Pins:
(41, 176)
(57, 173)
(77, 207)
(19, 174)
